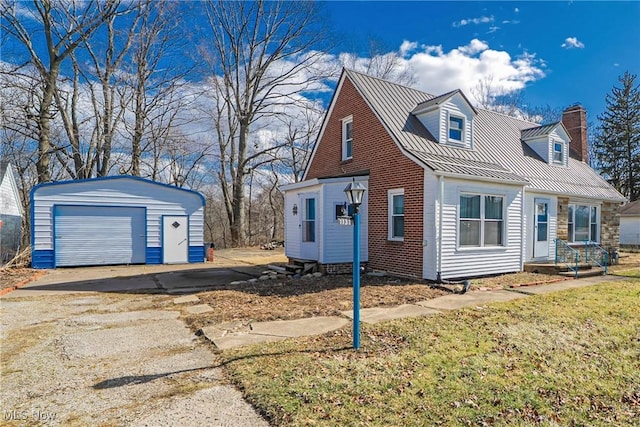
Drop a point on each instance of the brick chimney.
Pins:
(574, 119)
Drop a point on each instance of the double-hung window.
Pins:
(456, 128)
(557, 152)
(396, 214)
(481, 220)
(583, 223)
(347, 138)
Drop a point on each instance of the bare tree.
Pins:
(490, 96)
(64, 25)
(152, 90)
(380, 62)
(261, 54)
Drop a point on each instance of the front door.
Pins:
(541, 229)
(309, 227)
(175, 239)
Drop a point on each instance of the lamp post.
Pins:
(355, 192)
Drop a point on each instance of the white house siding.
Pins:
(541, 146)
(337, 240)
(430, 226)
(468, 262)
(431, 121)
(529, 223)
(554, 137)
(458, 107)
(291, 230)
(630, 230)
(9, 199)
(159, 200)
(293, 223)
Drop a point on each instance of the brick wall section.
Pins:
(574, 120)
(375, 150)
(610, 225)
(563, 218)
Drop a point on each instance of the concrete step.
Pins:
(551, 268)
(592, 271)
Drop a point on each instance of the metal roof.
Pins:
(434, 102)
(631, 209)
(498, 150)
(539, 130)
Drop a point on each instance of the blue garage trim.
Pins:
(154, 255)
(42, 259)
(47, 198)
(196, 253)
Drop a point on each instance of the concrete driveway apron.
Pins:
(122, 356)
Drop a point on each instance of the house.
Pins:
(115, 220)
(11, 213)
(630, 224)
(453, 191)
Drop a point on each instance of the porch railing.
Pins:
(568, 256)
(596, 255)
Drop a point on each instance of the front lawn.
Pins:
(568, 358)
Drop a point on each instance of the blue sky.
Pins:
(556, 53)
(580, 47)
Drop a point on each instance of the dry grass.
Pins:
(15, 277)
(567, 358)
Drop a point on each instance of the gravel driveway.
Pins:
(110, 359)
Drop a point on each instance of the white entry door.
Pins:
(541, 229)
(175, 239)
(309, 227)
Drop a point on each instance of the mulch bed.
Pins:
(301, 298)
(13, 278)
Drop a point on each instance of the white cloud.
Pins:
(407, 47)
(572, 42)
(437, 71)
(480, 20)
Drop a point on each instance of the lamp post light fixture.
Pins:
(355, 193)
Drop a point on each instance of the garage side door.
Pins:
(99, 235)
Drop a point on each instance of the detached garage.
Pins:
(115, 220)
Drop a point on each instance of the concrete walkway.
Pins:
(230, 336)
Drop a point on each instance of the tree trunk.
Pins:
(44, 125)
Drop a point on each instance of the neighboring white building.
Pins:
(11, 213)
(115, 220)
(630, 224)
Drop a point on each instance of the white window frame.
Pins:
(346, 141)
(482, 221)
(391, 215)
(554, 143)
(461, 129)
(571, 222)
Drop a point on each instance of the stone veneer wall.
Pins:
(610, 225)
(563, 218)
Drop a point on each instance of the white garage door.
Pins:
(99, 235)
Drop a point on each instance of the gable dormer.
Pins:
(550, 142)
(449, 118)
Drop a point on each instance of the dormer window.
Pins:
(456, 127)
(347, 138)
(557, 152)
(549, 142)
